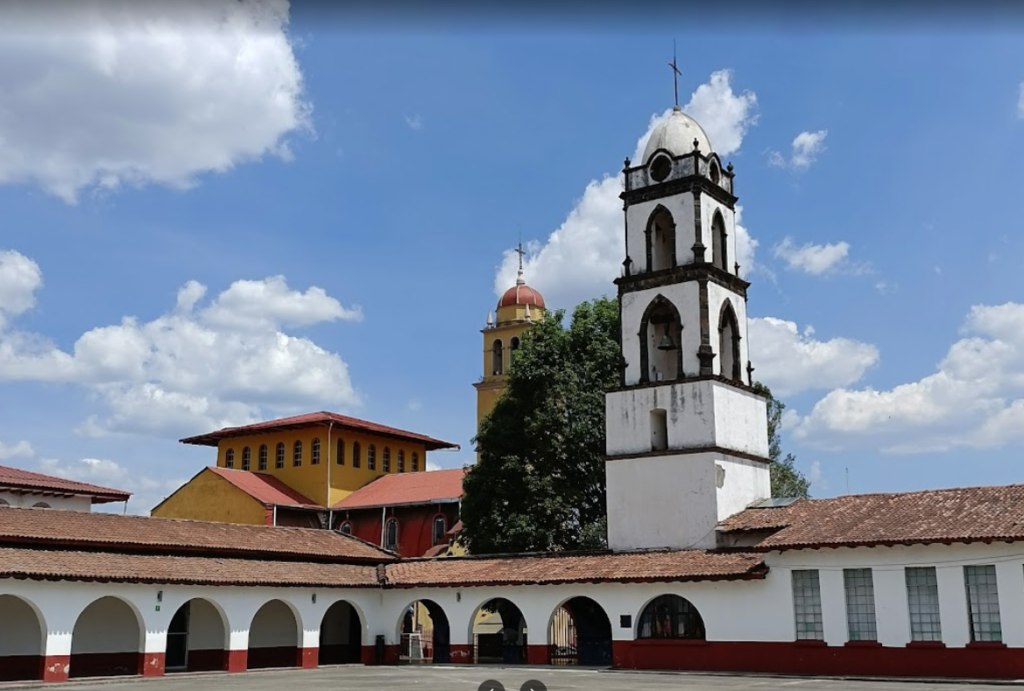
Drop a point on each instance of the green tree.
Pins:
(539, 483)
(787, 481)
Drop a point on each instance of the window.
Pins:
(263, 457)
(983, 603)
(807, 605)
(41, 505)
(246, 458)
(860, 604)
(497, 358)
(670, 616)
(314, 452)
(659, 429)
(229, 459)
(714, 173)
(718, 247)
(279, 457)
(401, 461)
(340, 458)
(355, 454)
(660, 239)
(385, 460)
(513, 347)
(371, 457)
(661, 166)
(440, 528)
(391, 534)
(415, 462)
(923, 602)
(346, 528)
(297, 454)
(729, 343)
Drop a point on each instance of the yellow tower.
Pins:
(518, 310)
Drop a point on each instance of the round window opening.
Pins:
(660, 168)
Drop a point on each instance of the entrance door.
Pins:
(177, 640)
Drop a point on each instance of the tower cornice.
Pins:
(677, 274)
(678, 186)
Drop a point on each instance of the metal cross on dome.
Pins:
(520, 251)
(675, 72)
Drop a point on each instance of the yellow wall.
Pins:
(209, 497)
(311, 480)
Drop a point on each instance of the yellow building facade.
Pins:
(519, 309)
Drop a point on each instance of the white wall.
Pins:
(21, 632)
(273, 626)
(25, 501)
(742, 482)
(108, 625)
(206, 628)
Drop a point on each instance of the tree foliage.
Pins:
(539, 482)
(787, 481)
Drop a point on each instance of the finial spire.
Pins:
(520, 252)
(675, 72)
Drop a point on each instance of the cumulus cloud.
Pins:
(811, 258)
(790, 362)
(146, 491)
(197, 366)
(415, 122)
(21, 449)
(975, 398)
(807, 146)
(20, 278)
(579, 260)
(100, 94)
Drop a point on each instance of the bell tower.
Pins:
(687, 436)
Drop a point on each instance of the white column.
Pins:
(833, 606)
(892, 613)
(1010, 577)
(953, 606)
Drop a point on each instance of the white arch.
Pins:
(90, 640)
(16, 639)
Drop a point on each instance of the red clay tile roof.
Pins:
(546, 569)
(265, 489)
(137, 533)
(322, 418)
(24, 479)
(43, 564)
(967, 514)
(430, 487)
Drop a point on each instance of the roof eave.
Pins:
(428, 502)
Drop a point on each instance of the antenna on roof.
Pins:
(847, 480)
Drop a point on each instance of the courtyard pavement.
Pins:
(442, 678)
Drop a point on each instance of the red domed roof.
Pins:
(521, 294)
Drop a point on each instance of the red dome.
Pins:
(521, 294)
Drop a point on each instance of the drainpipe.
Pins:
(328, 502)
(275, 515)
(383, 522)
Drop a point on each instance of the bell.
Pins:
(666, 343)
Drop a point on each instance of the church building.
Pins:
(705, 571)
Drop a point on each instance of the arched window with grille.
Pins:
(415, 462)
(356, 460)
(440, 528)
(340, 457)
(371, 457)
(346, 528)
(391, 534)
(246, 458)
(297, 454)
(401, 461)
(229, 458)
(279, 455)
(314, 452)
(671, 616)
(385, 459)
(262, 460)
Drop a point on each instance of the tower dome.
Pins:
(676, 134)
(520, 295)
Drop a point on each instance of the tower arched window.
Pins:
(385, 460)
(513, 347)
(340, 456)
(714, 173)
(497, 357)
(371, 457)
(314, 452)
(440, 528)
(279, 455)
(661, 240)
(391, 534)
(346, 528)
(719, 252)
(661, 342)
(401, 461)
(229, 458)
(246, 458)
(415, 462)
(671, 616)
(297, 454)
(356, 460)
(262, 461)
(729, 344)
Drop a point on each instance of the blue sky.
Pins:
(384, 175)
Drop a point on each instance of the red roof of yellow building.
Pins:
(404, 489)
(265, 489)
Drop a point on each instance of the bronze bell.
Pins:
(666, 343)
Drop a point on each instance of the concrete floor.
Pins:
(441, 678)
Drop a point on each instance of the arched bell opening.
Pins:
(729, 344)
(661, 240)
(661, 341)
(497, 357)
(719, 251)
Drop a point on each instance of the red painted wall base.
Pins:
(56, 667)
(814, 658)
(105, 664)
(281, 656)
(308, 658)
(238, 660)
(538, 655)
(152, 664)
(461, 653)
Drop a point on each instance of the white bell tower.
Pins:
(687, 437)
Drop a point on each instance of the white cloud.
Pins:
(810, 258)
(197, 368)
(146, 491)
(99, 94)
(790, 362)
(817, 477)
(22, 449)
(975, 398)
(414, 406)
(579, 260)
(20, 278)
(415, 122)
(807, 146)
(1020, 102)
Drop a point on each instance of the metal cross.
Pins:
(675, 71)
(520, 251)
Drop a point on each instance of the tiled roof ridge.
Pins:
(558, 554)
(41, 480)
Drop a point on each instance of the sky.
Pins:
(216, 212)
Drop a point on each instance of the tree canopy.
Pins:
(787, 481)
(539, 482)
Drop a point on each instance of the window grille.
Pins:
(356, 460)
(385, 460)
(263, 457)
(415, 462)
(229, 459)
(246, 458)
(391, 535)
(671, 616)
(340, 460)
(440, 528)
(279, 456)
(807, 605)
(297, 454)
(401, 461)
(371, 457)
(923, 602)
(860, 605)
(314, 452)
(983, 603)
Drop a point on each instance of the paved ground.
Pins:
(440, 678)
